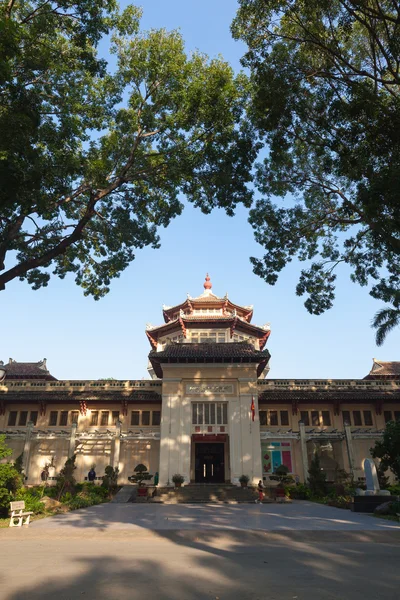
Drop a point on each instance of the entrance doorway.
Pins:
(209, 462)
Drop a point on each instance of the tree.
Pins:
(326, 103)
(10, 478)
(317, 478)
(388, 449)
(95, 159)
(65, 479)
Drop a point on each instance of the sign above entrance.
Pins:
(209, 388)
(218, 437)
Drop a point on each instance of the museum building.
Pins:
(209, 411)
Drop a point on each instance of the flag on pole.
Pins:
(253, 409)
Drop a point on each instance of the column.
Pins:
(350, 451)
(303, 447)
(71, 447)
(250, 437)
(117, 445)
(27, 449)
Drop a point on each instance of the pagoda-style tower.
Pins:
(207, 320)
(209, 356)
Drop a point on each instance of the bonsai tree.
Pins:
(140, 475)
(110, 479)
(388, 449)
(281, 473)
(244, 480)
(317, 478)
(178, 479)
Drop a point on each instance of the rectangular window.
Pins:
(145, 417)
(273, 417)
(346, 417)
(357, 417)
(156, 418)
(367, 418)
(397, 415)
(23, 417)
(94, 418)
(326, 418)
(225, 414)
(53, 418)
(74, 416)
(12, 418)
(275, 454)
(221, 338)
(212, 414)
(64, 418)
(315, 418)
(219, 414)
(33, 416)
(284, 418)
(206, 414)
(387, 414)
(305, 417)
(135, 417)
(115, 417)
(105, 414)
(263, 418)
(200, 414)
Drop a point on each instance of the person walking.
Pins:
(260, 489)
(92, 475)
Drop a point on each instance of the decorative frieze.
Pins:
(209, 388)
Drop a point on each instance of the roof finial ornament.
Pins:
(207, 283)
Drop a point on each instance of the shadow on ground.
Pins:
(181, 565)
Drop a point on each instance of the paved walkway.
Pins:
(301, 551)
(303, 516)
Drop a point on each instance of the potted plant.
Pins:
(141, 474)
(244, 480)
(178, 480)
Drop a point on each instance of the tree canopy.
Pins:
(326, 103)
(94, 157)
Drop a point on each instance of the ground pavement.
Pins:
(299, 551)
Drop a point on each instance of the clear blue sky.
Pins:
(82, 338)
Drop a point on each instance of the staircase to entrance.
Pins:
(205, 493)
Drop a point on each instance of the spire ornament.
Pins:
(207, 284)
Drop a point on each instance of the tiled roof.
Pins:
(384, 369)
(351, 396)
(28, 370)
(206, 353)
(66, 397)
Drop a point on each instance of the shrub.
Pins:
(31, 497)
(300, 492)
(395, 508)
(178, 478)
(79, 502)
(242, 479)
(394, 489)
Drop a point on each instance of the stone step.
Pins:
(124, 494)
